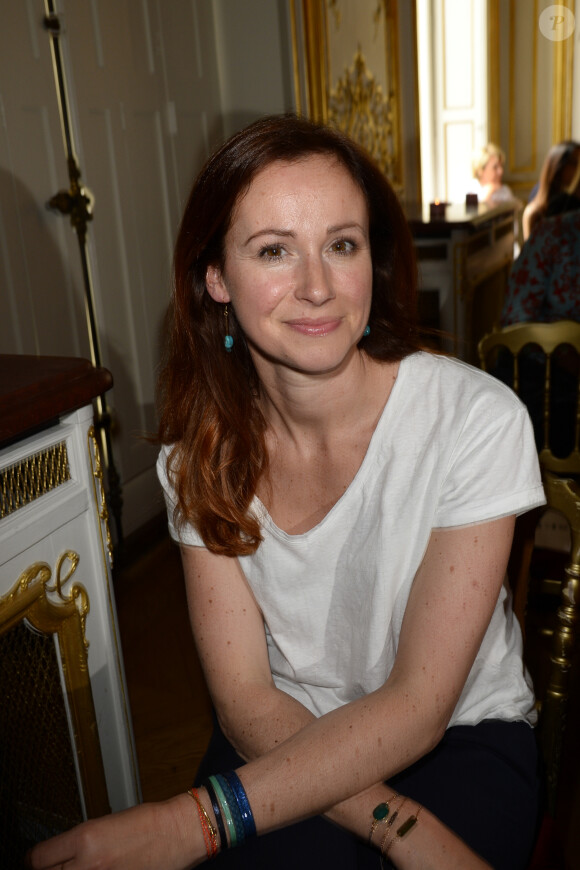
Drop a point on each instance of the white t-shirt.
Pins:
(453, 447)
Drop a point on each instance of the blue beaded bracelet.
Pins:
(233, 807)
(243, 803)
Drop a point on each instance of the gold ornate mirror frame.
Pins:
(346, 72)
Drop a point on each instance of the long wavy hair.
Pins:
(209, 412)
(559, 165)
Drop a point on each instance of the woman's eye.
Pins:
(343, 246)
(271, 252)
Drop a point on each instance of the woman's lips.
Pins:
(314, 327)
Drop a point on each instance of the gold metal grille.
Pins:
(32, 477)
(39, 795)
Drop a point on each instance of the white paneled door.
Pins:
(144, 97)
(452, 63)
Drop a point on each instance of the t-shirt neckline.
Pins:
(261, 511)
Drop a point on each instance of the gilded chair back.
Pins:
(563, 495)
(543, 340)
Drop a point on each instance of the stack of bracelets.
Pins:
(232, 812)
(235, 822)
(386, 814)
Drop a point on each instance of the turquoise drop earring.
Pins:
(228, 339)
(367, 331)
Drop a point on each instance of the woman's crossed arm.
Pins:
(300, 766)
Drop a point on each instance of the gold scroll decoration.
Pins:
(55, 606)
(358, 106)
(99, 494)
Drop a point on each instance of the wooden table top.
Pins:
(37, 390)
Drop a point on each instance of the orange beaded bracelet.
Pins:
(210, 836)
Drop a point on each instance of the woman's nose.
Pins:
(315, 284)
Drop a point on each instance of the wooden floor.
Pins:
(171, 708)
(169, 701)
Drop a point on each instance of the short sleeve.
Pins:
(493, 469)
(185, 534)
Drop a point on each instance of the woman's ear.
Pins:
(215, 284)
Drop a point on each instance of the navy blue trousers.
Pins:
(482, 781)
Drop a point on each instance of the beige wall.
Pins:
(254, 51)
(534, 80)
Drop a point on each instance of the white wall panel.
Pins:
(458, 49)
(453, 93)
(254, 49)
(41, 299)
(537, 96)
(128, 62)
(522, 108)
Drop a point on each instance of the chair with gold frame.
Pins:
(548, 337)
(563, 495)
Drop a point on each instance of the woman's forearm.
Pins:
(412, 837)
(262, 718)
(280, 718)
(430, 845)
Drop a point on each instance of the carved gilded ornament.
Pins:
(333, 8)
(336, 13)
(36, 580)
(99, 492)
(378, 12)
(52, 606)
(358, 106)
(77, 593)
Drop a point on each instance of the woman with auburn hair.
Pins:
(557, 173)
(344, 502)
(220, 416)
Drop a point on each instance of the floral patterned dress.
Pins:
(544, 284)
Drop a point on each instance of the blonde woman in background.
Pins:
(487, 165)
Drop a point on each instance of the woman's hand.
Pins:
(148, 837)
